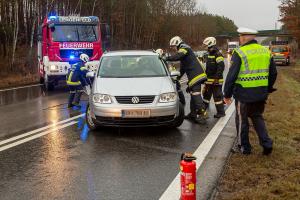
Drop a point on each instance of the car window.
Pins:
(131, 66)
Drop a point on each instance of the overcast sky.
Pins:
(256, 14)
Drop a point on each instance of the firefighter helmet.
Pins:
(210, 41)
(175, 41)
(85, 58)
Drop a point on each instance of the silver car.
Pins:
(133, 88)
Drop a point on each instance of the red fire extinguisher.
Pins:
(188, 177)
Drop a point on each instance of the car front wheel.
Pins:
(180, 118)
(89, 120)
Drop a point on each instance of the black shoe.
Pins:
(189, 117)
(219, 115)
(200, 119)
(238, 149)
(246, 152)
(267, 151)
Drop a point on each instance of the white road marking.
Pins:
(16, 88)
(39, 130)
(173, 191)
(36, 136)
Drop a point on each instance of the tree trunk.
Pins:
(15, 38)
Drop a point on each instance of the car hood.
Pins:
(133, 86)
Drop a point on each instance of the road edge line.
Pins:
(173, 190)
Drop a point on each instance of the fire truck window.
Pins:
(87, 33)
(74, 33)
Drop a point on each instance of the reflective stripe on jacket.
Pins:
(254, 70)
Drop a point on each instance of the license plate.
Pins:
(135, 113)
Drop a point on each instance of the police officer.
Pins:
(76, 80)
(196, 76)
(251, 77)
(161, 54)
(214, 70)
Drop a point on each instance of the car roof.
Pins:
(130, 53)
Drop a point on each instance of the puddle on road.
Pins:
(26, 93)
(18, 95)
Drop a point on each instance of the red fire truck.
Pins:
(61, 40)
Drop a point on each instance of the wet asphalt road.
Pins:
(75, 163)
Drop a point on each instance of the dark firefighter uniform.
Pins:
(251, 77)
(76, 80)
(213, 86)
(196, 76)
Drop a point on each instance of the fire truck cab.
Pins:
(61, 40)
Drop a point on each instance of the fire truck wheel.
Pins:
(89, 120)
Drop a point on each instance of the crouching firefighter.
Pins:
(76, 80)
(214, 70)
(161, 54)
(190, 66)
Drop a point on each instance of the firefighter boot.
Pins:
(191, 116)
(202, 116)
(220, 111)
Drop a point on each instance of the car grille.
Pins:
(131, 122)
(128, 99)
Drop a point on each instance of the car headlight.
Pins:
(102, 98)
(168, 97)
(53, 67)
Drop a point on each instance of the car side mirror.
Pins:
(175, 73)
(90, 74)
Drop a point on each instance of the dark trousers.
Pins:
(196, 105)
(253, 111)
(216, 92)
(75, 94)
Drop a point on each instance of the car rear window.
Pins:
(131, 66)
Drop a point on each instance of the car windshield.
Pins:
(74, 33)
(279, 49)
(131, 67)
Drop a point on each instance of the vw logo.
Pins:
(135, 100)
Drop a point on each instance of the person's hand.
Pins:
(227, 101)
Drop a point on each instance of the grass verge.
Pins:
(16, 80)
(276, 176)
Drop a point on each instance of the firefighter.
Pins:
(161, 54)
(76, 80)
(214, 70)
(195, 74)
(250, 79)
